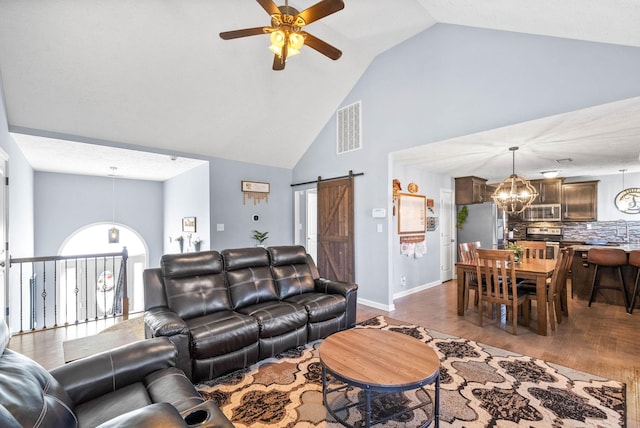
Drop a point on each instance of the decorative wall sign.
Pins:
(628, 201)
(411, 213)
(255, 190)
(430, 204)
(188, 224)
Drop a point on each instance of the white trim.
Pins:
(376, 305)
(416, 289)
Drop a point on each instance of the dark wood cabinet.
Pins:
(549, 190)
(580, 201)
(470, 190)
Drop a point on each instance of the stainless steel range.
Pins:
(544, 234)
(551, 235)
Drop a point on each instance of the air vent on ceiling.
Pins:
(349, 126)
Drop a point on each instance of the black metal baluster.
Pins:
(44, 294)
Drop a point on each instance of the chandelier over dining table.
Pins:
(515, 193)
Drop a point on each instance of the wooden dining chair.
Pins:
(499, 287)
(564, 292)
(533, 249)
(554, 288)
(468, 255)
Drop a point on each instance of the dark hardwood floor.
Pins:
(603, 340)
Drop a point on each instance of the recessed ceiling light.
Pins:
(550, 174)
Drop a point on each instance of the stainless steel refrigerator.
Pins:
(485, 223)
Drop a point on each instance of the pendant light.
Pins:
(515, 193)
(114, 233)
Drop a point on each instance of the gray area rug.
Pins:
(481, 386)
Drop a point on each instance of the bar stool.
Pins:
(607, 257)
(634, 260)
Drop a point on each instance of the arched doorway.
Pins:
(93, 239)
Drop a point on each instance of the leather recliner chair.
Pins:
(136, 385)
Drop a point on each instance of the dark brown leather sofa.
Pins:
(227, 310)
(135, 385)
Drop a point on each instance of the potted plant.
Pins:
(462, 217)
(260, 237)
(517, 251)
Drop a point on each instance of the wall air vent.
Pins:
(349, 127)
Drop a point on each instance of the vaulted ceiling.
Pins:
(154, 73)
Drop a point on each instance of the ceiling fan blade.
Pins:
(269, 6)
(228, 35)
(320, 10)
(321, 46)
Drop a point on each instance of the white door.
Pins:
(312, 223)
(447, 247)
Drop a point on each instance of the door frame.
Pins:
(447, 212)
(4, 234)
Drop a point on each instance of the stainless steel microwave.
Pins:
(543, 212)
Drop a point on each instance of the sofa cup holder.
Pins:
(203, 415)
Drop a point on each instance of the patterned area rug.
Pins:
(480, 386)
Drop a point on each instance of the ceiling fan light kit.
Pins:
(286, 34)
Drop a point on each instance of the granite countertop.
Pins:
(626, 247)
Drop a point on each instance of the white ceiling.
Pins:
(154, 73)
(600, 140)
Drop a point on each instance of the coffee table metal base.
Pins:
(369, 389)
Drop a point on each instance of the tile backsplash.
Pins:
(610, 231)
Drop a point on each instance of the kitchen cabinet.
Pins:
(549, 190)
(580, 201)
(470, 190)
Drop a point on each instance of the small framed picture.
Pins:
(188, 224)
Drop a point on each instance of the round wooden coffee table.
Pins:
(378, 361)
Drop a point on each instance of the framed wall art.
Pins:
(411, 213)
(189, 224)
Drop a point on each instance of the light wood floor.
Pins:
(603, 340)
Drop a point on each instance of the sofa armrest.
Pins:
(347, 289)
(162, 321)
(328, 286)
(151, 416)
(99, 374)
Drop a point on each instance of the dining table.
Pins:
(537, 270)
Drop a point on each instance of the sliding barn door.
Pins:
(335, 230)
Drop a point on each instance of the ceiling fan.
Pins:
(286, 30)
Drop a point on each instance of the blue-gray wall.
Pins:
(20, 233)
(65, 203)
(451, 81)
(229, 208)
(187, 195)
(20, 194)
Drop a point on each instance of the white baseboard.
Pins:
(392, 307)
(415, 289)
(376, 305)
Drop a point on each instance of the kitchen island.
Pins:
(582, 277)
